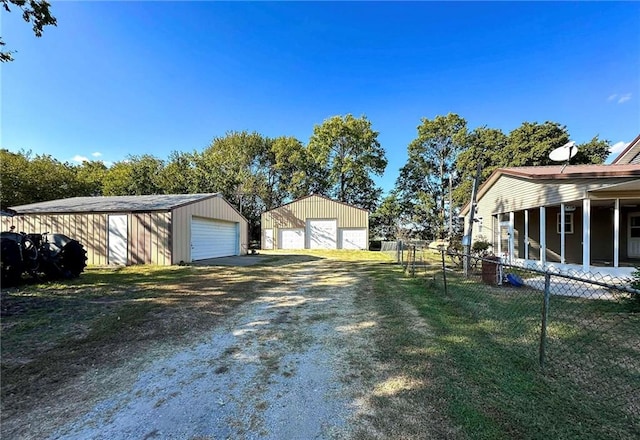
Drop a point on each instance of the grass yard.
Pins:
(55, 332)
(462, 365)
(482, 358)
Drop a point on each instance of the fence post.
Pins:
(413, 262)
(545, 316)
(444, 272)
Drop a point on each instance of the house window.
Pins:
(568, 223)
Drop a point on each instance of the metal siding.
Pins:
(295, 215)
(86, 228)
(214, 208)
(150, 243)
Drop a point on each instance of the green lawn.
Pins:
(483, 358)
(458, 365)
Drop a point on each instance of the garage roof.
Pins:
(158, 202)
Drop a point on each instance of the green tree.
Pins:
(484, 146)
(90, 176)
(531, 143)
(424, 180)
(35, 12)
(387, 220)
(595, 151)
(138, 175)
(178, 176)
(118, 179)
(13, 171)
(27, 179)
(345, 153)
(284, 168)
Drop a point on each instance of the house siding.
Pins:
(215, 208)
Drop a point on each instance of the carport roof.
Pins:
(158, 202)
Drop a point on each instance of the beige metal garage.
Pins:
(315, 222)
(152, 229)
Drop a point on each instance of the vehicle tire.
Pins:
(12, 267)
(72, 259)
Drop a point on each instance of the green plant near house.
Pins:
(480, 246)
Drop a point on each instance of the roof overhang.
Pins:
(560, 173)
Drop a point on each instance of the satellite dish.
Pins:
(564, 153)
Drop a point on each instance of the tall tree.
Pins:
(90, 176)
(595, 151)
(346, 153)
(424, 180)
(138, 175)
(35, 12)
(27, 179)
(387, 220)
(484, 146)
(531, 143)
(179, 175)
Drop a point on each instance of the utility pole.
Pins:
(466, 240)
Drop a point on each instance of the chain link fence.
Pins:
(581, 329)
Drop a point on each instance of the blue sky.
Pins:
(120, 78)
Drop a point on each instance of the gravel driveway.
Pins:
(287, 365)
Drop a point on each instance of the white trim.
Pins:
(526, 234)
(511, 234)
(543, 234)
(630, 240)
(616, 233)
(586, 234)
(563, 233)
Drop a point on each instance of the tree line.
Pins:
(343, 155)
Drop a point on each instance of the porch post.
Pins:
(526, 234)
(562, 233)
(586, 234)
(616, 234)
(512, 237)
(543, 235)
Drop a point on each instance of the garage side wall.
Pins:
(215, 208)
(148, 234)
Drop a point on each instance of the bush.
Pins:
(480, 246)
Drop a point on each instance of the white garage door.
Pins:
(353, 239)
(291, 239)
(322, 234)
(213, 238)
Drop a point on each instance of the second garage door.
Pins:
(213, 238)
(322, 234)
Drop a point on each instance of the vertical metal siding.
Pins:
(214, 208)
(148, 241)
(295, 215)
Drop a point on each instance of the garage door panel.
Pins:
(353, 239)
(291, 239)
(213, 238)
(322, 234)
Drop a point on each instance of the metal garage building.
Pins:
(153, 229)
(315, 222)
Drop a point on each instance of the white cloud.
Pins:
(96, 154)
(624, 98)
(619, 146)
(79, 159)
(612, 97)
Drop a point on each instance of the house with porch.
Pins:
(579, 218)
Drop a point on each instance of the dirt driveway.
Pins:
(296, 362)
